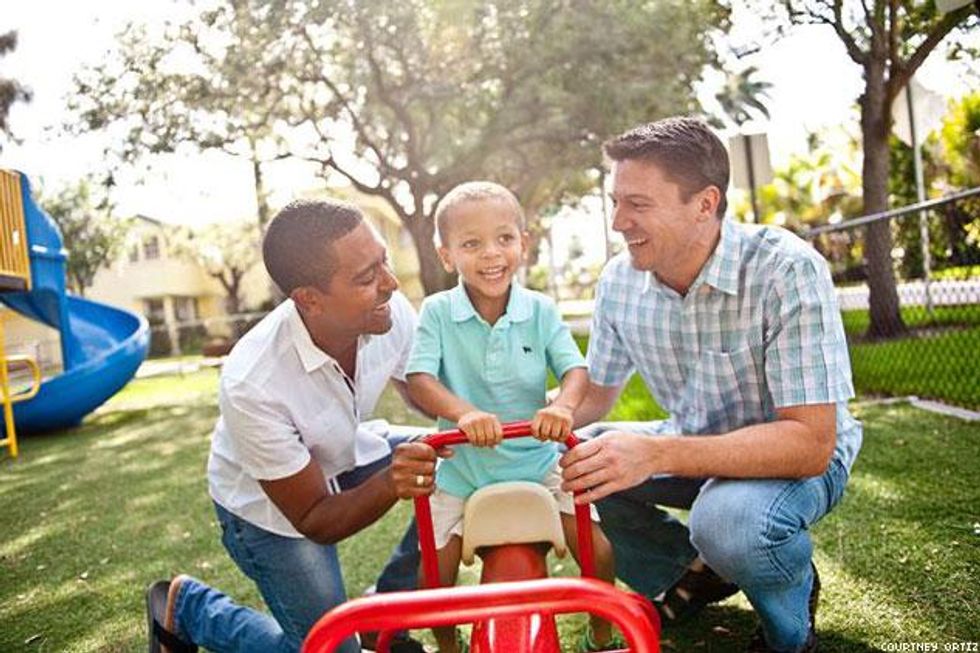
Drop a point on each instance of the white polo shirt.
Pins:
(284, 402)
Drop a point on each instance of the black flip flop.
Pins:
(156, 615)
(694, 591)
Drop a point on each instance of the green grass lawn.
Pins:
(92, 515)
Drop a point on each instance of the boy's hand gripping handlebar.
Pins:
(423, 512)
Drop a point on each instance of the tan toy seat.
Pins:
(515, 512)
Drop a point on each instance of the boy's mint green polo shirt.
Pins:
(501, 369)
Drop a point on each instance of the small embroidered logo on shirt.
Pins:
(527, 350)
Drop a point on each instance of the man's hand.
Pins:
(613, 461)
(482, 429)
(552, 422)
(412, 469)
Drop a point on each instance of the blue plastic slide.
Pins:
(101, 345)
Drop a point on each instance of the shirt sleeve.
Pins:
(560, 348)
(609, 362)
(406, 321)
(263, 436)
(806, 357)
(426, 352)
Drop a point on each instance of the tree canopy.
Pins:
(11, 90)
(405, 100)
(225, 251)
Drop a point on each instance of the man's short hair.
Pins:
(297, 246)
(468, 192)
(684, 148)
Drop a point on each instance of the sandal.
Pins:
(160, 619)
(692, 593)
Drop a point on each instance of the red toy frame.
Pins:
(455, 605)
(423, 513)
(435, 606)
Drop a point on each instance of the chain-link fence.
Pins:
(913, 319)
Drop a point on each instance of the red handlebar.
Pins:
(511, 430)
(423, 512)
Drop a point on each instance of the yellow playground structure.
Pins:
(15, 275)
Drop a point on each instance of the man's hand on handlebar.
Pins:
(413, 467)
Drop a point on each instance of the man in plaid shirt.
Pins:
(736, 332)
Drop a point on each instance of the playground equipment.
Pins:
(101, 345)
(15, 274)
(513, 609)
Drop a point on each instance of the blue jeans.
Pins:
(752, 532)
(299, 581)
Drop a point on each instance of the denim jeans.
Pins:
(753, 532)
(299, 581)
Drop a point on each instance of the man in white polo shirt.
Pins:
(293, 468)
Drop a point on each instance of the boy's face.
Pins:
(484, 245)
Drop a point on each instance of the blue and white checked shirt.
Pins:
(759, 329)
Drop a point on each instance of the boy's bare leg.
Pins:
(605, 568)
(448, 557)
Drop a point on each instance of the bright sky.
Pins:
(815, 86)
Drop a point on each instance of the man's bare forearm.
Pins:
(798, 444)
(338, 516)
(303, 498)
(781, 449)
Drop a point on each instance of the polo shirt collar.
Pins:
(721, 270)
(518, 304)
(311, 356)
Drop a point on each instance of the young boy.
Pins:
(481, 355)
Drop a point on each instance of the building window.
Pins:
(151, 248)
(153, 309)
(185, 309)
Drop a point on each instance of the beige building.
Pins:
(182, 302)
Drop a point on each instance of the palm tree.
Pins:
(740, 98)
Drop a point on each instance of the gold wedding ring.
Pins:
(419, 480)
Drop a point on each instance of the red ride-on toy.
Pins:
(512, 610)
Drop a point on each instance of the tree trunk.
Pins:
(233, 300)
(261, 201)
(886, 320)
(433, 276)
(262, 204)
